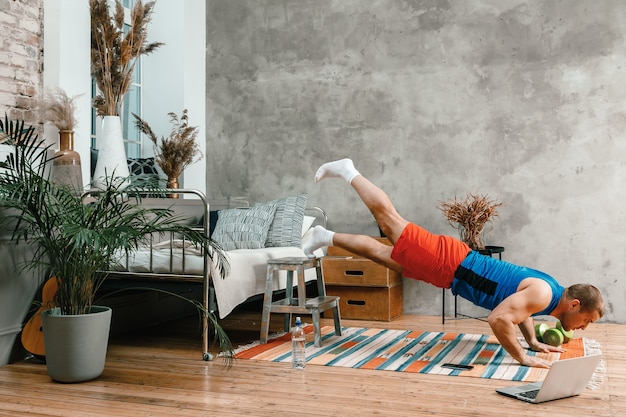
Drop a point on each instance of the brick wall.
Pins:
(21, 57)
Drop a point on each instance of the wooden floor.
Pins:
(160, 373)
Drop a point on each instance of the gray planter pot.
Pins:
(76, 346)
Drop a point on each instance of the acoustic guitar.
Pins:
(32, 334)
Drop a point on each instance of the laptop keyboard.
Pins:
(532, 394)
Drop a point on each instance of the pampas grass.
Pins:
(469, 216)
(114, 53)
(58, 108)
(177, 151)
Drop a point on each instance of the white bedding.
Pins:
(248, 270)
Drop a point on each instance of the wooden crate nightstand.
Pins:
(367, 290)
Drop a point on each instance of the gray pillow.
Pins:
(244, 228)
(286, 229)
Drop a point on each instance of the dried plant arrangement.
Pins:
(469, 216)
(114, 51)
(177, 151)
(58, 108)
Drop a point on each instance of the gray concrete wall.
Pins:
(523, 101)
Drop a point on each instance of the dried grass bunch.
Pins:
(58, 108)
(470, 216)
(114, 51)
(179, 149)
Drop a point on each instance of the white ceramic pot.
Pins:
(111, 152)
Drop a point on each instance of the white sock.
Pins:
(343, 168)
(319, 238)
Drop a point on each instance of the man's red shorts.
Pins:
(428, 257)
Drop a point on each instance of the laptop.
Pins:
(566, 378)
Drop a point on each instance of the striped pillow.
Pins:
(286, 229)
(244, 228)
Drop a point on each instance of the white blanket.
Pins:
(248, 270)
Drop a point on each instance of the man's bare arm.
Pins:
(527, 327)
(504, 329)
(532, 296)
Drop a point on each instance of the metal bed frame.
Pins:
(195, 207)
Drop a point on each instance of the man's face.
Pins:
(574, 319)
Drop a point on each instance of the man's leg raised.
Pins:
(358, 244)
(374, 198)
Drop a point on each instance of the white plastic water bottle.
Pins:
(298, 346)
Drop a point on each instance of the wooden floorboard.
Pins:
(159, 372)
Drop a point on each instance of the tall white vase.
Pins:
(111, 153)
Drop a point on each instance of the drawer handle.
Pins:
(355, 302)
(354, 273)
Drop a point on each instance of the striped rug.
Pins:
(411, 351)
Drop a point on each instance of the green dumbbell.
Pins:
(567, 335)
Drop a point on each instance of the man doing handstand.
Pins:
(513, 293)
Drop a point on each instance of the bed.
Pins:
(250, 236)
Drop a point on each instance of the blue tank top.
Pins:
(487, 281)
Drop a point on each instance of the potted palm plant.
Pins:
(75, 239)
